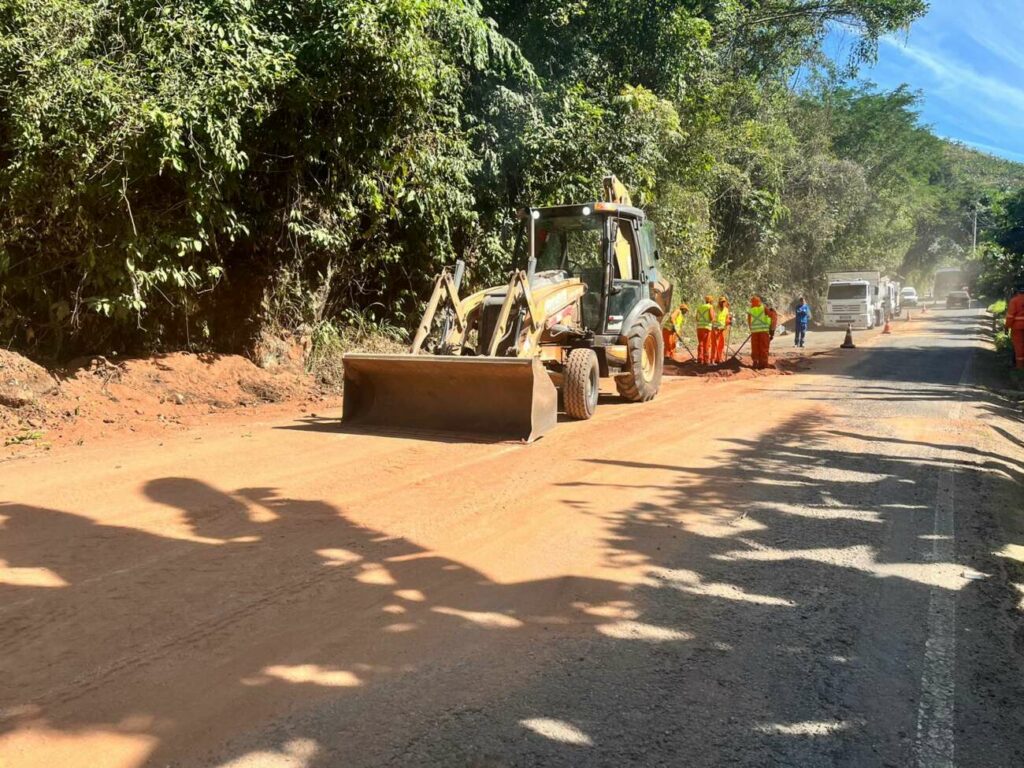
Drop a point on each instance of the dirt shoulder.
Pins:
(99, 398)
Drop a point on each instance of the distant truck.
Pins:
(861, 299)
(948, 281)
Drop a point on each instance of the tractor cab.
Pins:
(610, 247)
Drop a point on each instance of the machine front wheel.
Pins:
(645, 348)
(581, 384)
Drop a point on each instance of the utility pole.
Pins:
(974, 238)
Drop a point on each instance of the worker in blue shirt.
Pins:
(803, 319)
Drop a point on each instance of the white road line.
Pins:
(936, 747)
(935, 743)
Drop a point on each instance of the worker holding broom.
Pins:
(705, 322)
(760, 325)
(674, 332)
(720, 324)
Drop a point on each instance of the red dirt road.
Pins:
(201, 599)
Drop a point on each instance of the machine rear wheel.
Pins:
(646, 352)
(581, 384)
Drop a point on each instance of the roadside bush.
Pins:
(124, 149)
(155, 152)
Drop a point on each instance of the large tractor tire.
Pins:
(581, 384)
(645, 349)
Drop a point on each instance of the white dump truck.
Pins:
(863, 299)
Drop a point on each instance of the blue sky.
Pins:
(967, 56)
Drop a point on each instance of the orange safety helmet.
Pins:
(755, 301)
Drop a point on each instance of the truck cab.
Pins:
(850, 302)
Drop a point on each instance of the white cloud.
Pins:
(956, 75)
(995, 27)
(983, 110)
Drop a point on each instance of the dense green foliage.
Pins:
(1000, 260)
(180, 173)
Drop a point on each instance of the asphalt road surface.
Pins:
(819, 569)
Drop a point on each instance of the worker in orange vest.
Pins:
(1015, 323)
(719, 325)
(705, 322)
(674, 332)
(760, 325)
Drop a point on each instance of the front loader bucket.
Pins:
(497, 397)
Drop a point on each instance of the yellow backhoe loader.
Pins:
(588, 304)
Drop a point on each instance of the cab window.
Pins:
(648, 242)
(627, 251)
(570, 243)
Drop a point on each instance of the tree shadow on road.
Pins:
(281, 601)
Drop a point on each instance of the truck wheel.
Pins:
(645, 350)
(581, 384)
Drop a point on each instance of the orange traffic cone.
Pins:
(848, 341)
(887, 328)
